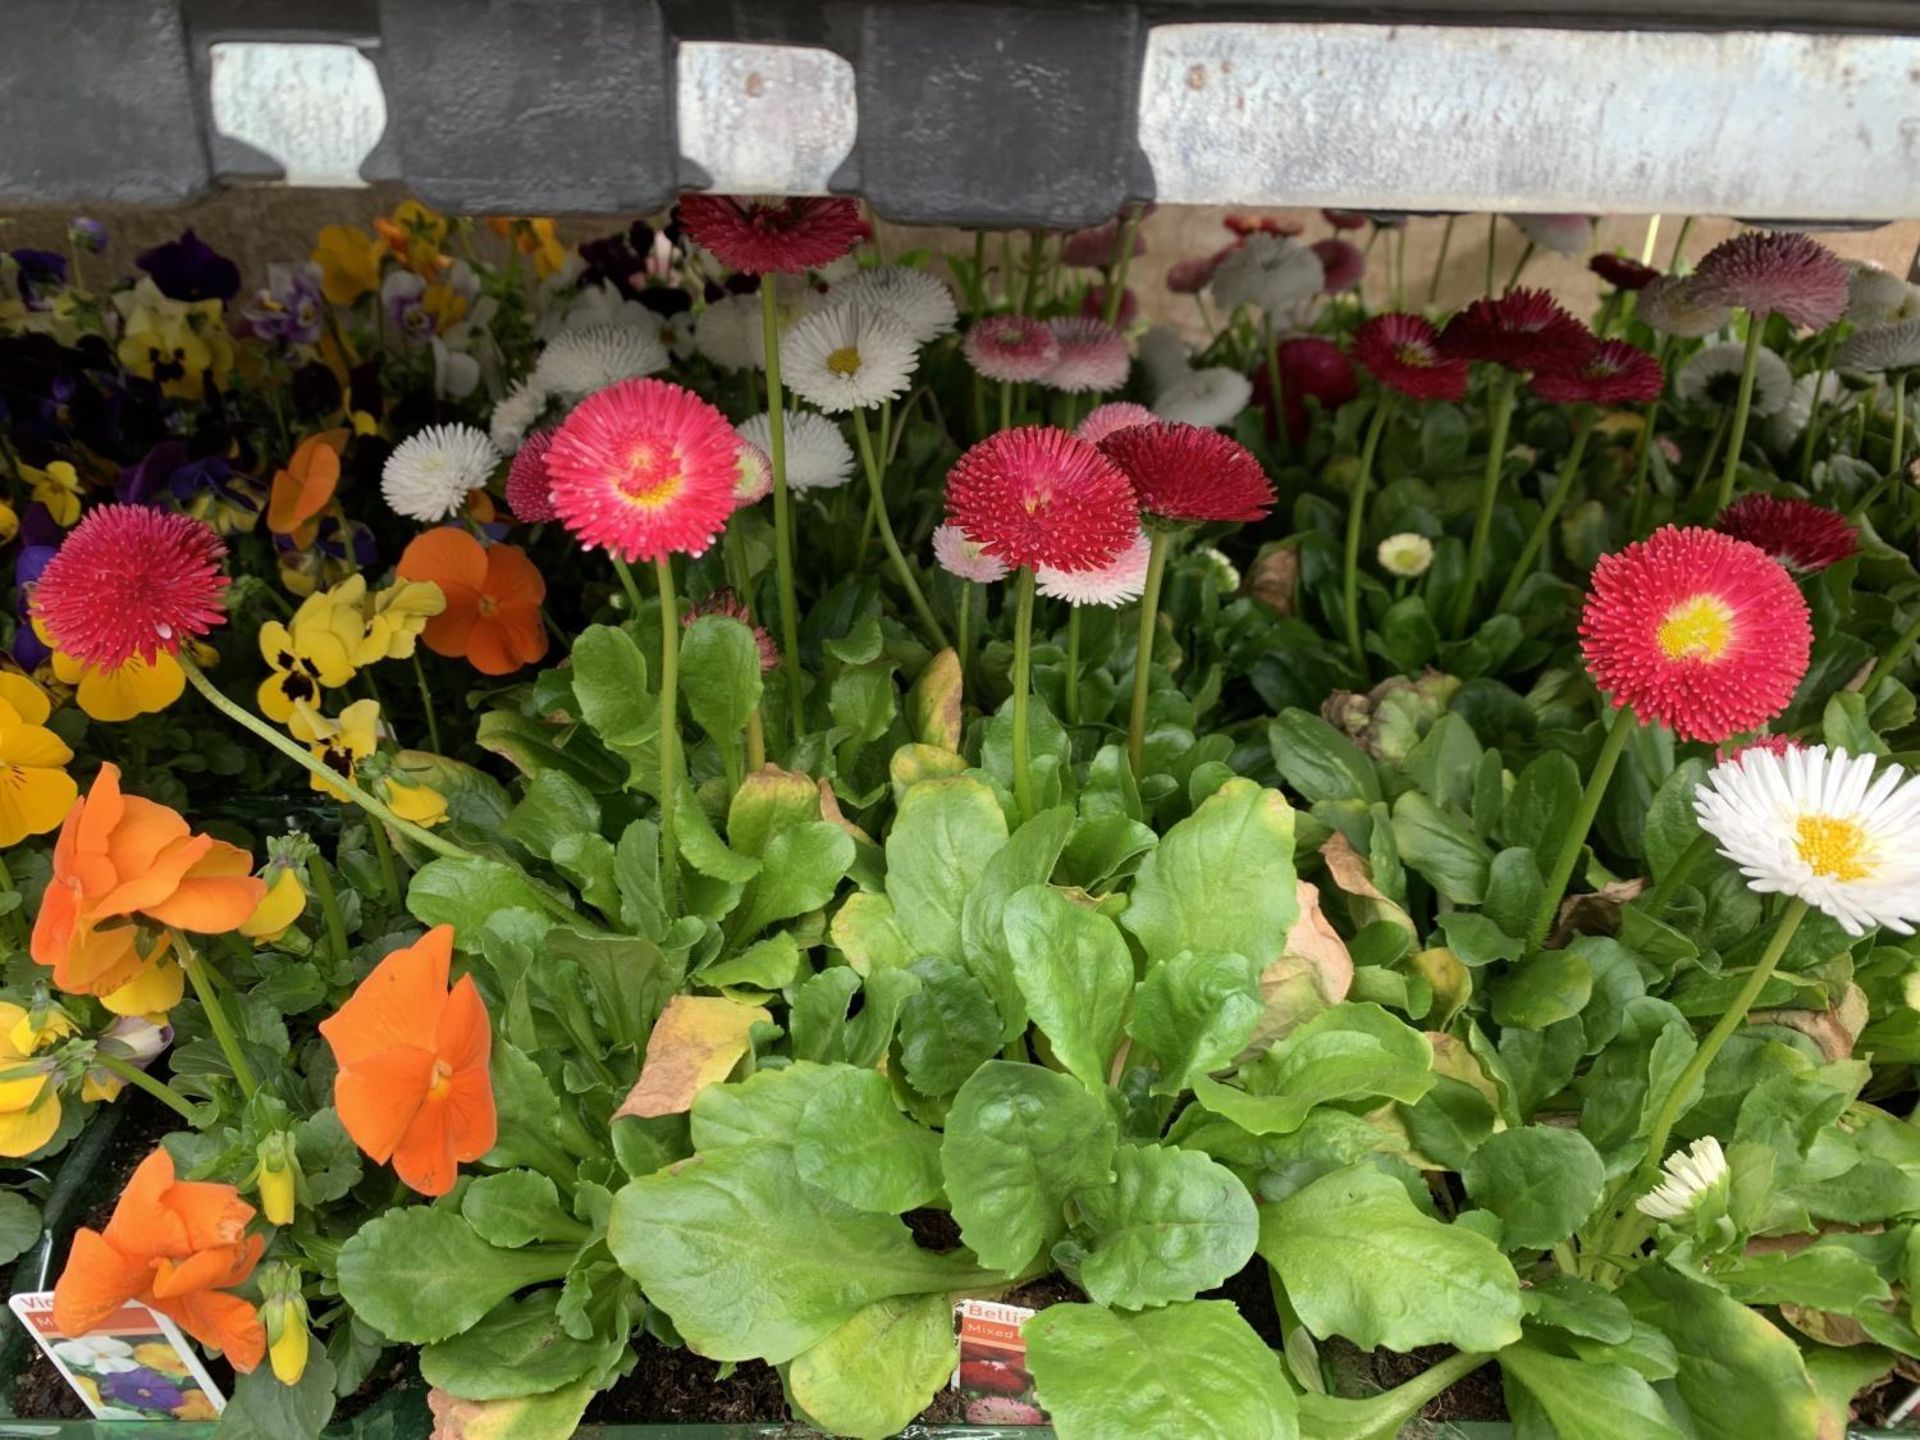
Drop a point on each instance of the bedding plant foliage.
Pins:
(714, 789)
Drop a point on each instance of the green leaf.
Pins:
(1194, 1370)
(1172, 1224)
(19, 1225)
(1476, 940)
(1028, 858)
(769, 964)
(632, 979)
(880, 1369)
(535, 746)
(1075, 972)
(464, 893)
(1541, 1180)
(1739, 1377)
(948, 1027)
(554, 807)
(420, 1274)
(518, 1207)
(866, 932)
(1579, 1307)
(802, 869)
(1194, 1013)
(1353, 1051)
(1444, 762)
(1541, 808)
(264, 1409)
(720, 676)
(610, 684)
(520, 1348)
(1358, 1260)
(1449, 1121)
(1221, 881)
(854, 1143)
(751, 1262)
(1825, 1277)
(1319, 762)
(765, 1106)
(1019, 1141)
(942, 838)
(1442, 847)
(1543, 989)
(1580, 1400)
(1671, 825)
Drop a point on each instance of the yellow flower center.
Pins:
(844, 361)
(1833, 847)
(442, 1083)
(1697, 629)
(652, 477)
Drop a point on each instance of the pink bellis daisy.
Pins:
(963, 557)
(1802, 536)
(1195, 273)
(753, 475)
(1697, 631)
(529, 487)
(1403, 352)
(1187, 474)
(1775, 272)
(1781, 745)
(1103, 420)
(1343, 263)
(1612, 373)
(646, 469)
(1120, 581)
(1093, 356)
(1035, 495)
(1522, 330)
(773, 236)
(132, 582)
(1011, 348)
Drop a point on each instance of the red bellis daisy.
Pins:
(1522, 330)
(132, 581)
(773, 236)
(1774, 273)
(1190, 474)
(646, 469)
(1035, 495)
(1310, 367)
(1613, 373)
(1342, 263)
(529, 489)
(1622, 272)
(1403, 351)
(1697, 631)
(1802, 536)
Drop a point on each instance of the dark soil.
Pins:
(1477, 1396)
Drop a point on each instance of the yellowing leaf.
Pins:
(695, 1043)
(552, 1416)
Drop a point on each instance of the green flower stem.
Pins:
(1356, 526)
(426, 701)
(1400, 266)
(1814, 416)
(1697, 850)
(419, 834)
(635, 603)
(1632, 1226)
(196, 967)
(1006, 404)
(1896, 652)
(1036, 256)
(1440, 260)
(1276, 392)
(1680, 245)
(756, 741)
(965, 647)
(1651, 239)
(871, 463)
(1619, 728)
(1143, 647)
(1643, 450)
(1117, 271)
(1742, 408)
(389, 875)
(140, 1080)
(782, 514)
(1499, 419)
(1898, 452)
(1543, 527)
(977, 290)
(1073, 664)
(1022, 690)
(669, 733)
(329, 907)
(1493, 248)
(1412, 1396)
(1520, 266)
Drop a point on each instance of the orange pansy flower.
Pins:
(413, 1085)
(175, 1245)
(120, 857)
(301, 491)
(493, 599)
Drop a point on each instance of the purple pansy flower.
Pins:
(41, 273)
(190, 269)
(289, 309)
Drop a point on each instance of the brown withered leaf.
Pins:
(1834, 1030)
(551, 1416)
(1274, 579)
(1353, 873)
(697, 1040)
(1313, 972)
(1594, 912)
(933, 704)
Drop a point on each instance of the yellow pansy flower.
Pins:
(328, 629)
(339, 744)
(177, 343)
(155, 990)
(29, 1098)
(58, 488)
(138, 687)
(422, 804)
(415, 233)
(349, 261)
(400, 613)
(283, 904)
(291, 677)
(35, 790)
(9, 523)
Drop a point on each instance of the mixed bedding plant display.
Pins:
(719, 789)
